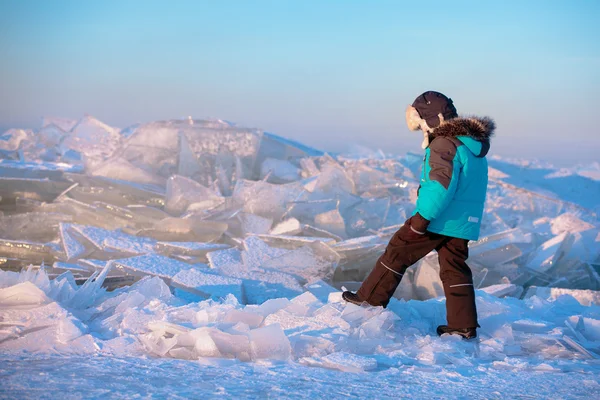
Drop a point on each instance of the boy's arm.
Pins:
(439, 185)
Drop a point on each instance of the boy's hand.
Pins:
(414, 228)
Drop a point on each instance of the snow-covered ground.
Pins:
(200, 259)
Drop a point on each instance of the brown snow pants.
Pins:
(406, 248)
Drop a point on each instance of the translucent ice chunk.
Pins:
(321, 290)
(550, 253)
(504, 289)
(208, 284)
(333, 179)
(499, 255)
(293, 242)
(348, 362)
(38, 189)
(265, 199)
(311, 262)
(92, 138)
(151, 264)
(279, 171)
(498, 240)
(32, 226)
(34, 253)
(258, 252)
(232, 346)
(311, 346)
(368, 215)
(187, 162)
(183, 192)
(332, 221)
(188, 248)
(64, 124)
(290, 226)
(253, 320)
(254, 224)
(222, 259)
(584, 297)
(192, 229)
(121, 169)
(269, 342)
(22, 294)
(427, 282)
(568, 222)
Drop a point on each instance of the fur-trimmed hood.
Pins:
(474, 132)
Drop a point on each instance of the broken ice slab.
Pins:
(269, 342)
(114, 191)
(498, 240)
(311, 262)
(260, 286)
(305, 210)
(257, 251)
(150, 264)
(279, 171)
(504, 290)
(308, 230)
(293, 227)
(243, 224)
(187, 162)
(195, 249)
(568, 222)
(120, 168)
(71, 246)
(13, 264)
(368, 215)
(93, 138)
(529, 326)
(292, 242)
(225, 259)
(193, 229)
(368, 179)
(290, 226)
(208, 284)
(500, 255)
(355, 246)
(550, 253)
(84, 214)
(427, 282)
(152, 213)
(75, 268)
(165, 146)
(346, 362)
(38, 189)
(36, 169)
(30, 252)
(359, 253)
(184, 193)
(266, 199)
(332, 221)
(321, 290)
(584, 297)
(114, 241)
(34, 227)
(405, 289)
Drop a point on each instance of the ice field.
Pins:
(196, 258)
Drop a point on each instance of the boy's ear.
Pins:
(413, 119)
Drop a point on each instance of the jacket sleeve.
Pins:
(439, 182)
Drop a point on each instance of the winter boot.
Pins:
(352, 298)
(466, 333)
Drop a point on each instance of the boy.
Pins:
(449, 208)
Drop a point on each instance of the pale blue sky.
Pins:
(326, 73)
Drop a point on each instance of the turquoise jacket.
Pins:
(454, 178)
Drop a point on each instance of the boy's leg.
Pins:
(404, 249)
(458, 284)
